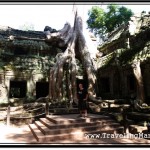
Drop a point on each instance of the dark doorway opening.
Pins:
(105, 84)
(42, 89)
(131, 83)
(18, 89)
(131, 86)
(104, 88)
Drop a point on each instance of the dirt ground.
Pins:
(13, 135)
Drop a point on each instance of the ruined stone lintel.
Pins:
(11, 38)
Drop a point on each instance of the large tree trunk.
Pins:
(77, 47)
(140, 86)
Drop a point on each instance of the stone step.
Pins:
(46, 122)
(72, 128)
(83, 127)
(37, 133)
(63, 111)
(64, 120)
(113, 130)
(51, 125)
(78, 135)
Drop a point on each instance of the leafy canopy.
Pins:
(102, 21)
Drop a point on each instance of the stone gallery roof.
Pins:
(129, 43)
(32, 43)
(12, 38)
(6, 31)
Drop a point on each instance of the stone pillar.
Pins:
(31, 87)
(140, 86)
(8, 75)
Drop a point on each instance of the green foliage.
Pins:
(33, 45)
(96, 20)
(1, 64)
(102, 22)
(9, 67)
(119, 118)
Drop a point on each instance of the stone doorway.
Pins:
(42, 89)
(18, 89)
(131, 86)
(131, 82)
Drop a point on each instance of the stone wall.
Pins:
(30, 78)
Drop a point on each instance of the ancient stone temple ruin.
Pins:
(26, 58)
(24, 65)
(124, 68)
